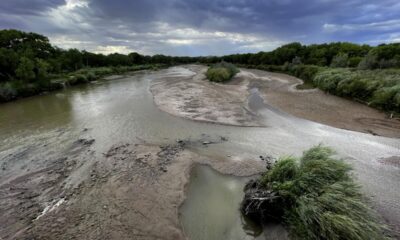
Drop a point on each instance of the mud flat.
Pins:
(197, 99)
(313, 104)
(133, 192)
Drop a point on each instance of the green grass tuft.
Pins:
(320, 199)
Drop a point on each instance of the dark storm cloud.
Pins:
(27, 6)
(201, 27)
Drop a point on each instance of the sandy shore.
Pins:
(197, 99)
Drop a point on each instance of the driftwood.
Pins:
(260, 203)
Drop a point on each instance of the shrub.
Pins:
(370, 61)
(328, 80)
(7, 92)
(318, 198)
(91, 76)
(221, 72)
(354, 61)
(305, 72)
(340, 61)
(387, 97)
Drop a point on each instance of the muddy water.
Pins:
(211, 210)
(36, 129)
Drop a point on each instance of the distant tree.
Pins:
(391, 63)
(25, 70)
(8, 64)
(297, 61)
(354, 61)
(341, 60)
(370, 61)
(42, 68)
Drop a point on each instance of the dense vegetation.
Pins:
(221, 72)
(29, 64)
(379, 88)
(315, 196)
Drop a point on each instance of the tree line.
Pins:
(30, 56)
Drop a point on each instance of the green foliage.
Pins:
(378, 88)
(370, 61)
(340, 61)
(319, 198)
(7, 92)
(25, 70)
(221, 72)
(354, 61)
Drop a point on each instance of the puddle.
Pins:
(255, 101)
(211, 210)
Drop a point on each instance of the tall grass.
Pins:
(319, 198)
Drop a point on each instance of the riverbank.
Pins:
(197, 99)
(378, 88)
(16, 89)
(133, 191)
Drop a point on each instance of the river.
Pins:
(122, 110)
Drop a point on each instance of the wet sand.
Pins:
(197, 99)
(133, 192)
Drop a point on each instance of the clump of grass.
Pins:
(319, 199)
(221, 72)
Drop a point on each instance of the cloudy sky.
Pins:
(202, 27)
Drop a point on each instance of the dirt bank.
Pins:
(132, 192)
(315, 105)
(198, 99)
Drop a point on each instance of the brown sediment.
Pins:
(196, 98)
(327, 109)
(133, 192)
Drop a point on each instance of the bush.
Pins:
(305, 72)
(318, 198)
(7, 92)
(91, 76)
(370, 61)
(340, 61)
(354, 61)
(387, 98)
(221, 72)
(328, 80)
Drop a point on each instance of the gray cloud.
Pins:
(202, 27)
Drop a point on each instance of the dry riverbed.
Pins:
(132, 192)
(196, 98)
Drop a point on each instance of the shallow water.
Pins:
(211, 210)
(37, 128)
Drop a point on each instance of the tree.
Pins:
(340, 61)
(25, 70)
(296, 61)
(42, 68)
(8, 64)
(370, 61)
